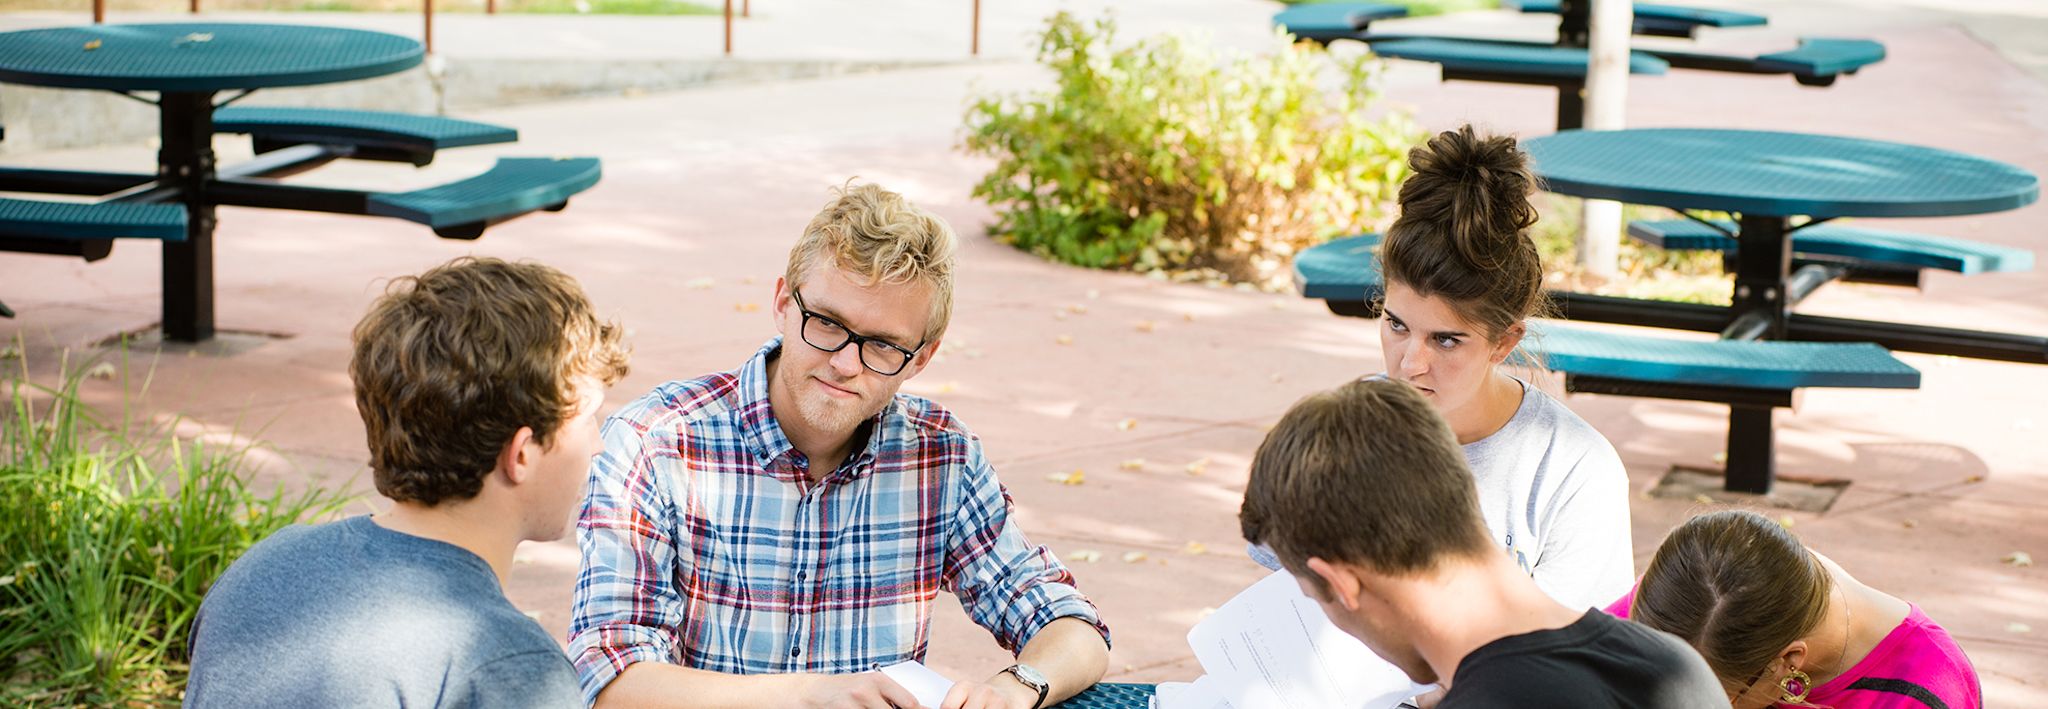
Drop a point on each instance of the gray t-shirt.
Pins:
(353, 614)
(1554, 494)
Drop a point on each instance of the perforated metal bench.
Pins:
(513, 187)
(1328, 22)
(1851, 245)
(368, 135)
(1664, 20)
(1478, 60)
(1752, 377)
(84, 229)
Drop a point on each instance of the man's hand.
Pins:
(999, 692)
(866, 690)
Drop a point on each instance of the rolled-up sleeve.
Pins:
(626, 608)
(1008, 585)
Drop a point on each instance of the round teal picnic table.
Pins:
(186, 65)
(1772, 179)
(1111, 695)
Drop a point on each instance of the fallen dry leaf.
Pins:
(1195, 548)
(747, 281)
(1126, 424)
(1059, 315)
(2018, 628)
(1909, 524)
(92, 45)
(1064, 339)
(1277, 377)
(1201, 465)
(103, 370)
(1785, 521)
(948, 387)
(1132, 557)
(1074, 478)
(1721, 458)
(1078, 309)
(1093, 294)
(700, 283)
(746, 307)
(2018, 558)
(532, 614)
(1973, 479)
(1147, 326)
(1703, 499)
(1132, 464)
(1190, 317)
(10, 352)
(1088, 555)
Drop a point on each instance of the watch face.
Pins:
(1029, 676)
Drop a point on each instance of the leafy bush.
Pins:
(1167, 154)
(1645, 271)
(107, 545)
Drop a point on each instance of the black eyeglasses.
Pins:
(878, 355)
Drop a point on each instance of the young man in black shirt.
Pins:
(1364, 495)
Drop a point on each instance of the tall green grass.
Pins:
(109, 538)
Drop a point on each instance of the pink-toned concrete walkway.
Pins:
(704, 191)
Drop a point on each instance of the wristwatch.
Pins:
(1032, 679)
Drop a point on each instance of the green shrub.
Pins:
(1645, 271)
(1167, 154)
(107, 545)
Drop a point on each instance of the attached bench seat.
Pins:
(374, 135)
(1327, 22)
(1664, 20)
(84, 229)
(1485, 60)
(511, 188)
(1876, 247)
(1745, 364)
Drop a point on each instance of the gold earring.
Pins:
(1794, 687)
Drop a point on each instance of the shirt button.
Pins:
(800, 575)
(795, 651)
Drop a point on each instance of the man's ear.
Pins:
(924, 357)
(516, 459)
(1341, 581)
(781, 303)
(1508, 340)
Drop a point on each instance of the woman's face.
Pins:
(1428, 345)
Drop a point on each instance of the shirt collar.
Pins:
(771, 446)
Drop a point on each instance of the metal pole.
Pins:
(1603, 107)
(429, 5)
(186, 161)
(974, 47)
(99, 11)
(490, 7)
(195, 7)
(746, 8)
(728, 28)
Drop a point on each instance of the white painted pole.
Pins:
(1606, 103)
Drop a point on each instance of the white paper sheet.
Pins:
(1271, 647)
(927, 685)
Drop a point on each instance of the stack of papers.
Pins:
(1271, 647)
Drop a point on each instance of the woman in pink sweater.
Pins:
(1784, 626)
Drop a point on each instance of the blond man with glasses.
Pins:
(772, 535)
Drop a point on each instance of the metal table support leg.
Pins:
(1761, 310)
(186, 160)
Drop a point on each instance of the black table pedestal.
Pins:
(186, 162)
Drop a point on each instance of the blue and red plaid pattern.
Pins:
(705, 545)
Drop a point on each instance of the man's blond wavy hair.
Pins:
(880, 237)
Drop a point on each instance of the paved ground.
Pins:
(714, 184)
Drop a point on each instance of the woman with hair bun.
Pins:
(1782, 625)
(1462, 280)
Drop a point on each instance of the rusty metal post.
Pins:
(728, 28)
(99, 11)
(195, 7)
(975, 47)
(490, 7)
(429, 5)
(746, 8)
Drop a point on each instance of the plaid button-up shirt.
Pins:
(705, 545)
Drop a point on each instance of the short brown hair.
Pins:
(1367, 473)
(448, 365)
(1463, 233)
(1737, 587)
(882, 238)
